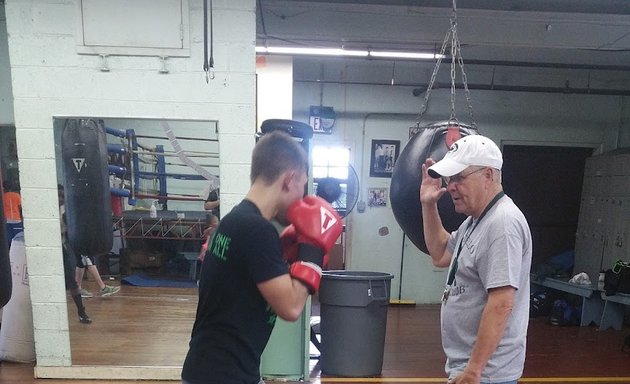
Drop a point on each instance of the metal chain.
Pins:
(433, 76)
(456, 57)
(454, 41)
(453, 58)
(460, 61)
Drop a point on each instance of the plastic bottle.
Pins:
(153, 211)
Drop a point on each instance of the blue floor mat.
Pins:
(139, 280)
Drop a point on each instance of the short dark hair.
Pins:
(275, 153)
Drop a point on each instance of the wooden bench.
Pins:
(592, 302)
(614, 310)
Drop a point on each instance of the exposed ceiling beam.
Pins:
(618, 7)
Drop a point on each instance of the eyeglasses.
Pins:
(459, 177)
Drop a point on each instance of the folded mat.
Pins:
(140, 280)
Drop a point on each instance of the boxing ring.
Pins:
(144, 168)
(169, 225)
(131, 164)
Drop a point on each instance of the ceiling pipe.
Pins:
(504, 63)
(481, 62)
(421, 88)
(535, 89)
(614, 7)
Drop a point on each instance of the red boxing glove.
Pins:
(289, 240)
(308, 273)
(316, 221)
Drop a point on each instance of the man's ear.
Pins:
(287, 179)
(491, 174)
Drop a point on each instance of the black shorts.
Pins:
(84, 261)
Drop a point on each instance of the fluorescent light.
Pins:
(406, 55)
(347, 52)
(312, 51)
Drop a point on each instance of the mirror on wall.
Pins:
(9, 170)
(134, 194)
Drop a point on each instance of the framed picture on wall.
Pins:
(383, 156)
(377, 197)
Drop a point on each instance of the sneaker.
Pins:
(85, 319)
(109, 290)
(86, 294)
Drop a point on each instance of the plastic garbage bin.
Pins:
(353, 310)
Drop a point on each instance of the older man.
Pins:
(485, 306)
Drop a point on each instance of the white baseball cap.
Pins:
(469, 150)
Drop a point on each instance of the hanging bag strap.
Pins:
(208, 62)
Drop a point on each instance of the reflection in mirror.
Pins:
(134, 196)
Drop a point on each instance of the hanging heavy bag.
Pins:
(17, 341)
(617, 279)
(292, 127)
(433, 141)
(86, 184)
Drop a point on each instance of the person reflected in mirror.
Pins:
(87, 263)
(82, 263)
(69, 261)
(213, 203)
(251, 275)
(213, 222)
(12, 209)
(485, 304)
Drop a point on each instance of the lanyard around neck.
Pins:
(451, 274)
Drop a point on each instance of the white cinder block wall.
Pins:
(49, 79)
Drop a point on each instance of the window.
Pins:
(330, 169)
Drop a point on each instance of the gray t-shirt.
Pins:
(497, 253)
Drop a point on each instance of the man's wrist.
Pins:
(473, 368)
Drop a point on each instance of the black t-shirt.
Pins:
(233, 321)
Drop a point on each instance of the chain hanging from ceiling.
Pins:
(456, 60)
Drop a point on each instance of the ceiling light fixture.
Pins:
(312, 51)
(406, 55)
(348, 52)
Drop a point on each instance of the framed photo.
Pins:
(377, 197)
(384, 154)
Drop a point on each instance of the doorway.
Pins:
(545, 182)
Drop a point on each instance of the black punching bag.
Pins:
(86, 183)
(6, 283)
(432, 141)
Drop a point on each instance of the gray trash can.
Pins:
(353, 309)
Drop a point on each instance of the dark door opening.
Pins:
(546, 184)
